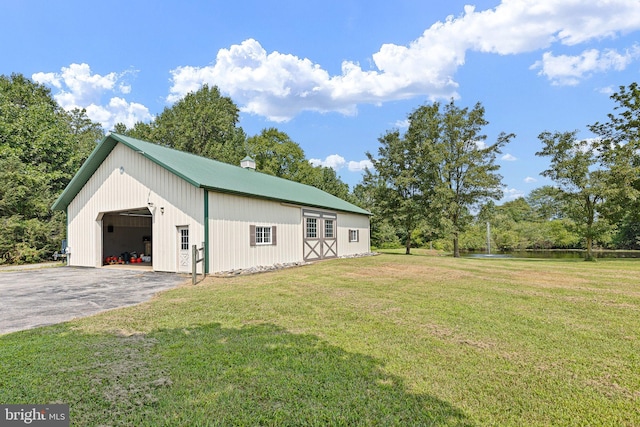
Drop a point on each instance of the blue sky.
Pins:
(336, 75)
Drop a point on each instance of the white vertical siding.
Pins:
(140, 182)
(230, 218)
(346, 222)
(229, 240)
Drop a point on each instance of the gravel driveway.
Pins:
(31, 298)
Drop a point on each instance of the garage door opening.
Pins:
(127, 238)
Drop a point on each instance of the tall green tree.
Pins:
(41, 147)
(398, 182)
(461, 165)
(276, 154)
(437, 172)
(582, 183)
(84, 136)
(140, 130)
(547, 203)
(204, 123)
(618, 146)
(32, 126)
(383, 233)
(326, 179)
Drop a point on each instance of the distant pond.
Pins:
(553, 254)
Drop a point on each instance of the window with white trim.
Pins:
(328, 229)
(353, 235)
(262, 235)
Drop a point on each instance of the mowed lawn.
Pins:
(385, 340)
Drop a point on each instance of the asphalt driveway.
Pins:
(31, 298)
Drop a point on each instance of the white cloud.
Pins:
(118, 110)
(530, 180)
(517, 26)
(570, 70)
(279, 86)
(78, 87)
(402, 124)
(360, 166)
(481, 145)
(509, 158)
(333, 161)
(513, 193)
(51, 79)
(337, 162)
(607, 90)
(82, 87)
(587, 145)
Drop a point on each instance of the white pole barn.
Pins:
(133, 197)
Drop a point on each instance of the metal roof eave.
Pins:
(156, 154)
(158, 162)
(285, 200)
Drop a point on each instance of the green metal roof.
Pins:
(209, 174)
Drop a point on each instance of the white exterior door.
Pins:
(184, 253)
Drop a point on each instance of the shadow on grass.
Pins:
(264, 375)
(209, 375)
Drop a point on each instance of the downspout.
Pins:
(206, 231)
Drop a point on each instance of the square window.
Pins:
(263, 235)
(353, 235)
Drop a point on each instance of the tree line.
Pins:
(434, 184)
(42, 146)
(438, 181)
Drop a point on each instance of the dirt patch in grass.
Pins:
(454, 337)
(128, 378)
(419, 272)
(545, 280)
(598, 297)
(122, 375)
(608, 385)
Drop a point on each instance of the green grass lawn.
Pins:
(385, 340)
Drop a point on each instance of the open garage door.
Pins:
(126, 235)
